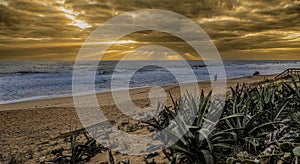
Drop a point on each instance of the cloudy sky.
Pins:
(240, 29)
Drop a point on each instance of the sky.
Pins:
(240, 29)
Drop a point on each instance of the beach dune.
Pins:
(31, 128)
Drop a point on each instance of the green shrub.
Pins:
(250, 115)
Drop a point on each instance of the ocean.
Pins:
(28, 80)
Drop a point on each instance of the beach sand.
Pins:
(30, 130)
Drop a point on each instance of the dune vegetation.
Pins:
(259, 124)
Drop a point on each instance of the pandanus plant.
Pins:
(196, 145)
(250, 114)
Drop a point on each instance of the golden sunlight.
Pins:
(72, 16)
(119, 42)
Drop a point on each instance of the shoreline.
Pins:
(42, 101)
(32, 128)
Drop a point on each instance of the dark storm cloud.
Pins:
(47, 29)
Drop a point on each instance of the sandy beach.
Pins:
(31, 129)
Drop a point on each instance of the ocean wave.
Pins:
(33, 80)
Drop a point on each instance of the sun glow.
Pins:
(220, 18)
(119, 42)
(4, 3)
(73, 16)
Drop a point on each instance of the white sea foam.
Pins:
(22, 81)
